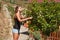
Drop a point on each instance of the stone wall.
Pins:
(5, 24)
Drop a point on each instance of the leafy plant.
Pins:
(36, 35)
(46, 16)
(0, 5)
(12, 1)
(11, 9)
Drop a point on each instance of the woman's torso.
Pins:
(17, 23)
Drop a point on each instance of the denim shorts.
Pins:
(16, 30)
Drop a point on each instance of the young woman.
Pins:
(18, 19)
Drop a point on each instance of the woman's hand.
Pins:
(30, 17)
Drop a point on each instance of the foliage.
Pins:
(10, 1)
(46, 16)
(0, 5)
(36, 35)
(11, 9)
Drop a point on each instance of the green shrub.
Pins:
(46, 16)
(11, 9)
(0, 5)
(36, 35)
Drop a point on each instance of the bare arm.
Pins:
(21, 20)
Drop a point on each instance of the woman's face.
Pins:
(20, 9)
